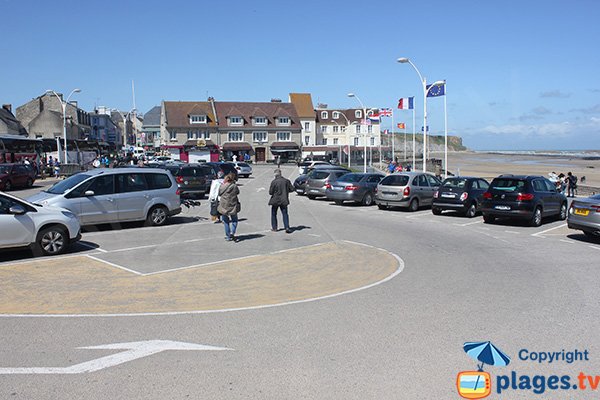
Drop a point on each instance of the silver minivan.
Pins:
(105, 195)
(406, 189)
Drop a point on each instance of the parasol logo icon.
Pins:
(478, 384)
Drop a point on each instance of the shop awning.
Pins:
(237, 146)
(284, 146)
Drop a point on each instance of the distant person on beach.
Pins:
(571, 184)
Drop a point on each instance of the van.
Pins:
(104, 196)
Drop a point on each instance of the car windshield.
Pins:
(508, 185)
(350, 178)
(395, 180)
(4, 169)
(68, 184)
(455, 183)
(243, 164)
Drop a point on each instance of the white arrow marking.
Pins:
(260, 189)
(133, 351)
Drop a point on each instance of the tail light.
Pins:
(595, 208)
(328, 185)
(375, 190)
(351, 187)
(487, 195)
(178, 192)
(436, 194)
(464, 196)
(524, 197)
(179, 179)
(406, 191)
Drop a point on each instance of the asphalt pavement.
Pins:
(355, 303)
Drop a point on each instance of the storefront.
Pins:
(238, 149)
(285, 150)
(201, 150)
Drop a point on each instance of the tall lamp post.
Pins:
(125, 117)
(365, 119)
(405, 60)
(63, 104)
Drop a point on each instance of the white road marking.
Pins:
(314, 234)
(567, 241)
(133, 351)
(595, 247)
(115, 265)
(418, 215)
(260, 189)
(472, 223)
(548, 230)
(513, 232)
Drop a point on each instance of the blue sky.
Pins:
(521, 74)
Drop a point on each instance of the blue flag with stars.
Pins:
(436, 90)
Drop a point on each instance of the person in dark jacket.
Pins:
(229, 206)
(280, 198)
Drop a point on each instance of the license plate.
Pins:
(337, 188)
(313, 191)
(580, 211)
(448, 195)
(504, 208)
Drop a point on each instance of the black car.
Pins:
(463, 194)
(223, 166)
(523, 196)
(193, 180)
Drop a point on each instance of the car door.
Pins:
(554, 196)
(372, 182)
(99, 207)
(131, 196)
(17, 230)
(543, 196)
(422, 188)
(19, 175)
(434, 184)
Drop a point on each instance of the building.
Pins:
(151, 127)
(306, 113)
(9, 124)
(43, 118)
(104, 129)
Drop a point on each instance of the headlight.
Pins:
(68, 214)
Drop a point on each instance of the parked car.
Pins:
(16, 175)
(105, 195)
(48, 230)
(523, 196)
(300, 181)
(193, 180)
(463, 194)
(584, 215)
(318, 180)
(226, 167)
(306, 166)
(356, 187)
(243, 169)
(406, 189)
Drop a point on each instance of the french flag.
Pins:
(406, 103)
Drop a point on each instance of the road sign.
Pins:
(133, 351)
(131, 148)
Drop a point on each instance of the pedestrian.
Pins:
(213, 197)
(280, 190)
(26, 161)
(96, 162)
(229, 206)
(234, 158)
(571, 184)
(392, 167)
(56, 169)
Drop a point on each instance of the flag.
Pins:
(406, 103)
(401, 125)
(373, 115)
(385, 112)
(436, 90)
(386, 132)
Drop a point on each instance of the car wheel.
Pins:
(489, 219)
(51, 241)
(436, 211)
(414, 205)
(536, 218)
(381, 207)
(368, 199)
(471, 211)
(339, 202)
(7, 186)
(157, 216)
(29, 182)
(563, 212)
(311, 197)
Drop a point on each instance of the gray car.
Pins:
(319, 179)
(105, 196)
(407, 189)
(584, 215)
(356, 187)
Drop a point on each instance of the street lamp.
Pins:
(365, 119)
(64, 112)
(404, 60)
(125, 117)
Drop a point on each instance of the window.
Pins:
(131, 183)
(102, 185)
(483, 184)
(336, 115)
(324, 115)
(197, 119)
(372, 141)
(306, 140)
(158, 181)
(236, 136)
(335, 141)
(324, 141)
(538, 185)
(204, 135)
(192, 135)
(260, 120)
(374, 178)
(369, 128)
(284, 136)
(420, 180)
(358, 129)
(358, 114)
(323, 128)
(283, 121)
(235, 120)
(395, 180)
(173, 135)
(343, 129)
(307, 126)
(6, 203)
(260, 137)
(336, 129)
(356, 141)
(433, 181)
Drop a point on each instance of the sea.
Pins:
(580, 154)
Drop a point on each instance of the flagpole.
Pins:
(404, 142)
(445, 133)
(393, 148)
(414, 160)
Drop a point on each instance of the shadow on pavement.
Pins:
(242, 238)
(580, 237)
(26, 254)
(176, 220)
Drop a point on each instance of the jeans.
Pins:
(230, 224)
(286, 218)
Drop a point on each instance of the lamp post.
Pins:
(405, 60)
(125, 117)
(365, 119)
(64, 112)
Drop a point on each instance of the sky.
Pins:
(521, 75)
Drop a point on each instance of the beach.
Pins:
(491, 164)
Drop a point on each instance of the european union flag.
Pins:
(436, 90)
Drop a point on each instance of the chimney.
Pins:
(275, 100)
(7, 107)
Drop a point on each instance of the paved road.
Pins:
(309, 317)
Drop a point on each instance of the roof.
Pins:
(152, 117)
(13, 124)
(178, 113)
(248, 110)
(350, 114)
(304, 105)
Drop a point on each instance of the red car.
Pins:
(16, 175)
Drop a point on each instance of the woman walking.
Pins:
(229, 206)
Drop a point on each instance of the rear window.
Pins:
(320, 175)
(158, 181)
(508, 184)
(395, 180)
(195, 171)
(455, 183)
(350, 177)
(243, 164)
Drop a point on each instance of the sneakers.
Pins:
(288, 231)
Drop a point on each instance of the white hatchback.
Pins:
(47, 230)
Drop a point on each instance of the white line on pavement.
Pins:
(513, 232)
(115, 265)
(595, 247)
(472, 223)
(566, 241)
(548, 230)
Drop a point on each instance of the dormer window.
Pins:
(197, 119)
(336, 115)
(324, 115)
(358, 114)
(285, 121)
(236, 120)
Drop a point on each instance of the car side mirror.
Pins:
(17, 210)
(89, 193)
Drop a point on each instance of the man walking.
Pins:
(279, 191)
